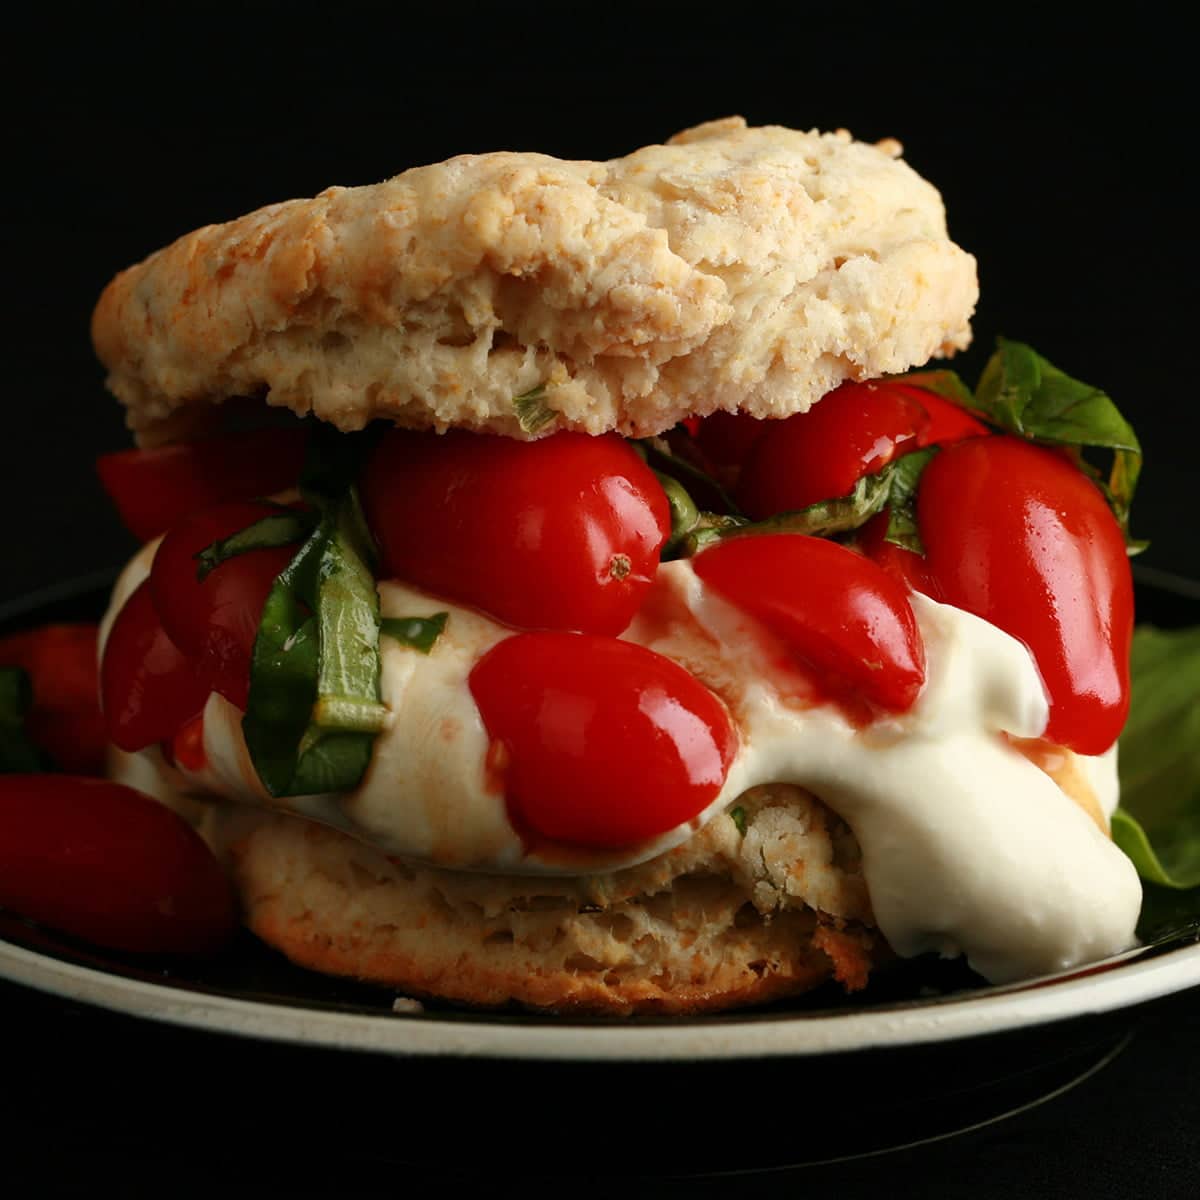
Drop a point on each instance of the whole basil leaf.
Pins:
(1158, 823)
(1022, 392)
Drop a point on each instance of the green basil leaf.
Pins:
(1023, 393)
(685, 516)
(18, 755)
(420, 633)
(905, 474)
(278, 529)
(533, 413)
(1158, 823)
(737, 815)
(828, 517)
(894, 486)
(314, 706)
(710, 528)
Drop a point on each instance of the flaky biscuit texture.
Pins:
(747, 911)
(731, 268)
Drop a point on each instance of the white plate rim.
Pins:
(732, 1037)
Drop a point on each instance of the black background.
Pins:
(1065, 155)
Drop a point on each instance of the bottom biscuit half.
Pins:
(749, 910)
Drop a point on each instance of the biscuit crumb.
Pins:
(407, 1006)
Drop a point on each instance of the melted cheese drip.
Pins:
(968, 847)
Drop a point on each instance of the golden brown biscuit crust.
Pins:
(698, 930)
(732, 268)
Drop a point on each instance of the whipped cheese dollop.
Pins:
(967, 846)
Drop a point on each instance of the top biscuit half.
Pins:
(732, 268)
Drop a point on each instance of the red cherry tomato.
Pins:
(561, 534)
(214, 621)
(836, 610)
(107, 864)
(148, 688)
(905, 565)
(65, 719)
(821, 454)
(152, 489)
(1020, 537)
(600, 742)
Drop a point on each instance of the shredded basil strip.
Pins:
(419, 633)
(738, 816)
(314, 707)
(1023, 393)
(532, 411)
(947, 384)
(684, 515)
(905, 475)
(894, 487)
(278, 529)
(18, 755)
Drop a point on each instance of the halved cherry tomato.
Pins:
(148, 688)
(65, 719)
(1020, 537)
(154, 488)
(214, 621)
(836, 610)
(821, 454)
(562, 533)
(902, 564)
(108, 864)
(600, 742)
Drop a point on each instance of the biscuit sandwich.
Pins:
(566, 583)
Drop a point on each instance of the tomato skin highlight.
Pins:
(1020, 537)
(153, 489)
(111, 866)
(559, 534)
(855, 430)
(148, 688)
(214, 621)
(601, 743)
(837, 611)
(65, 720)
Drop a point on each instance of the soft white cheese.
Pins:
(967, 846)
